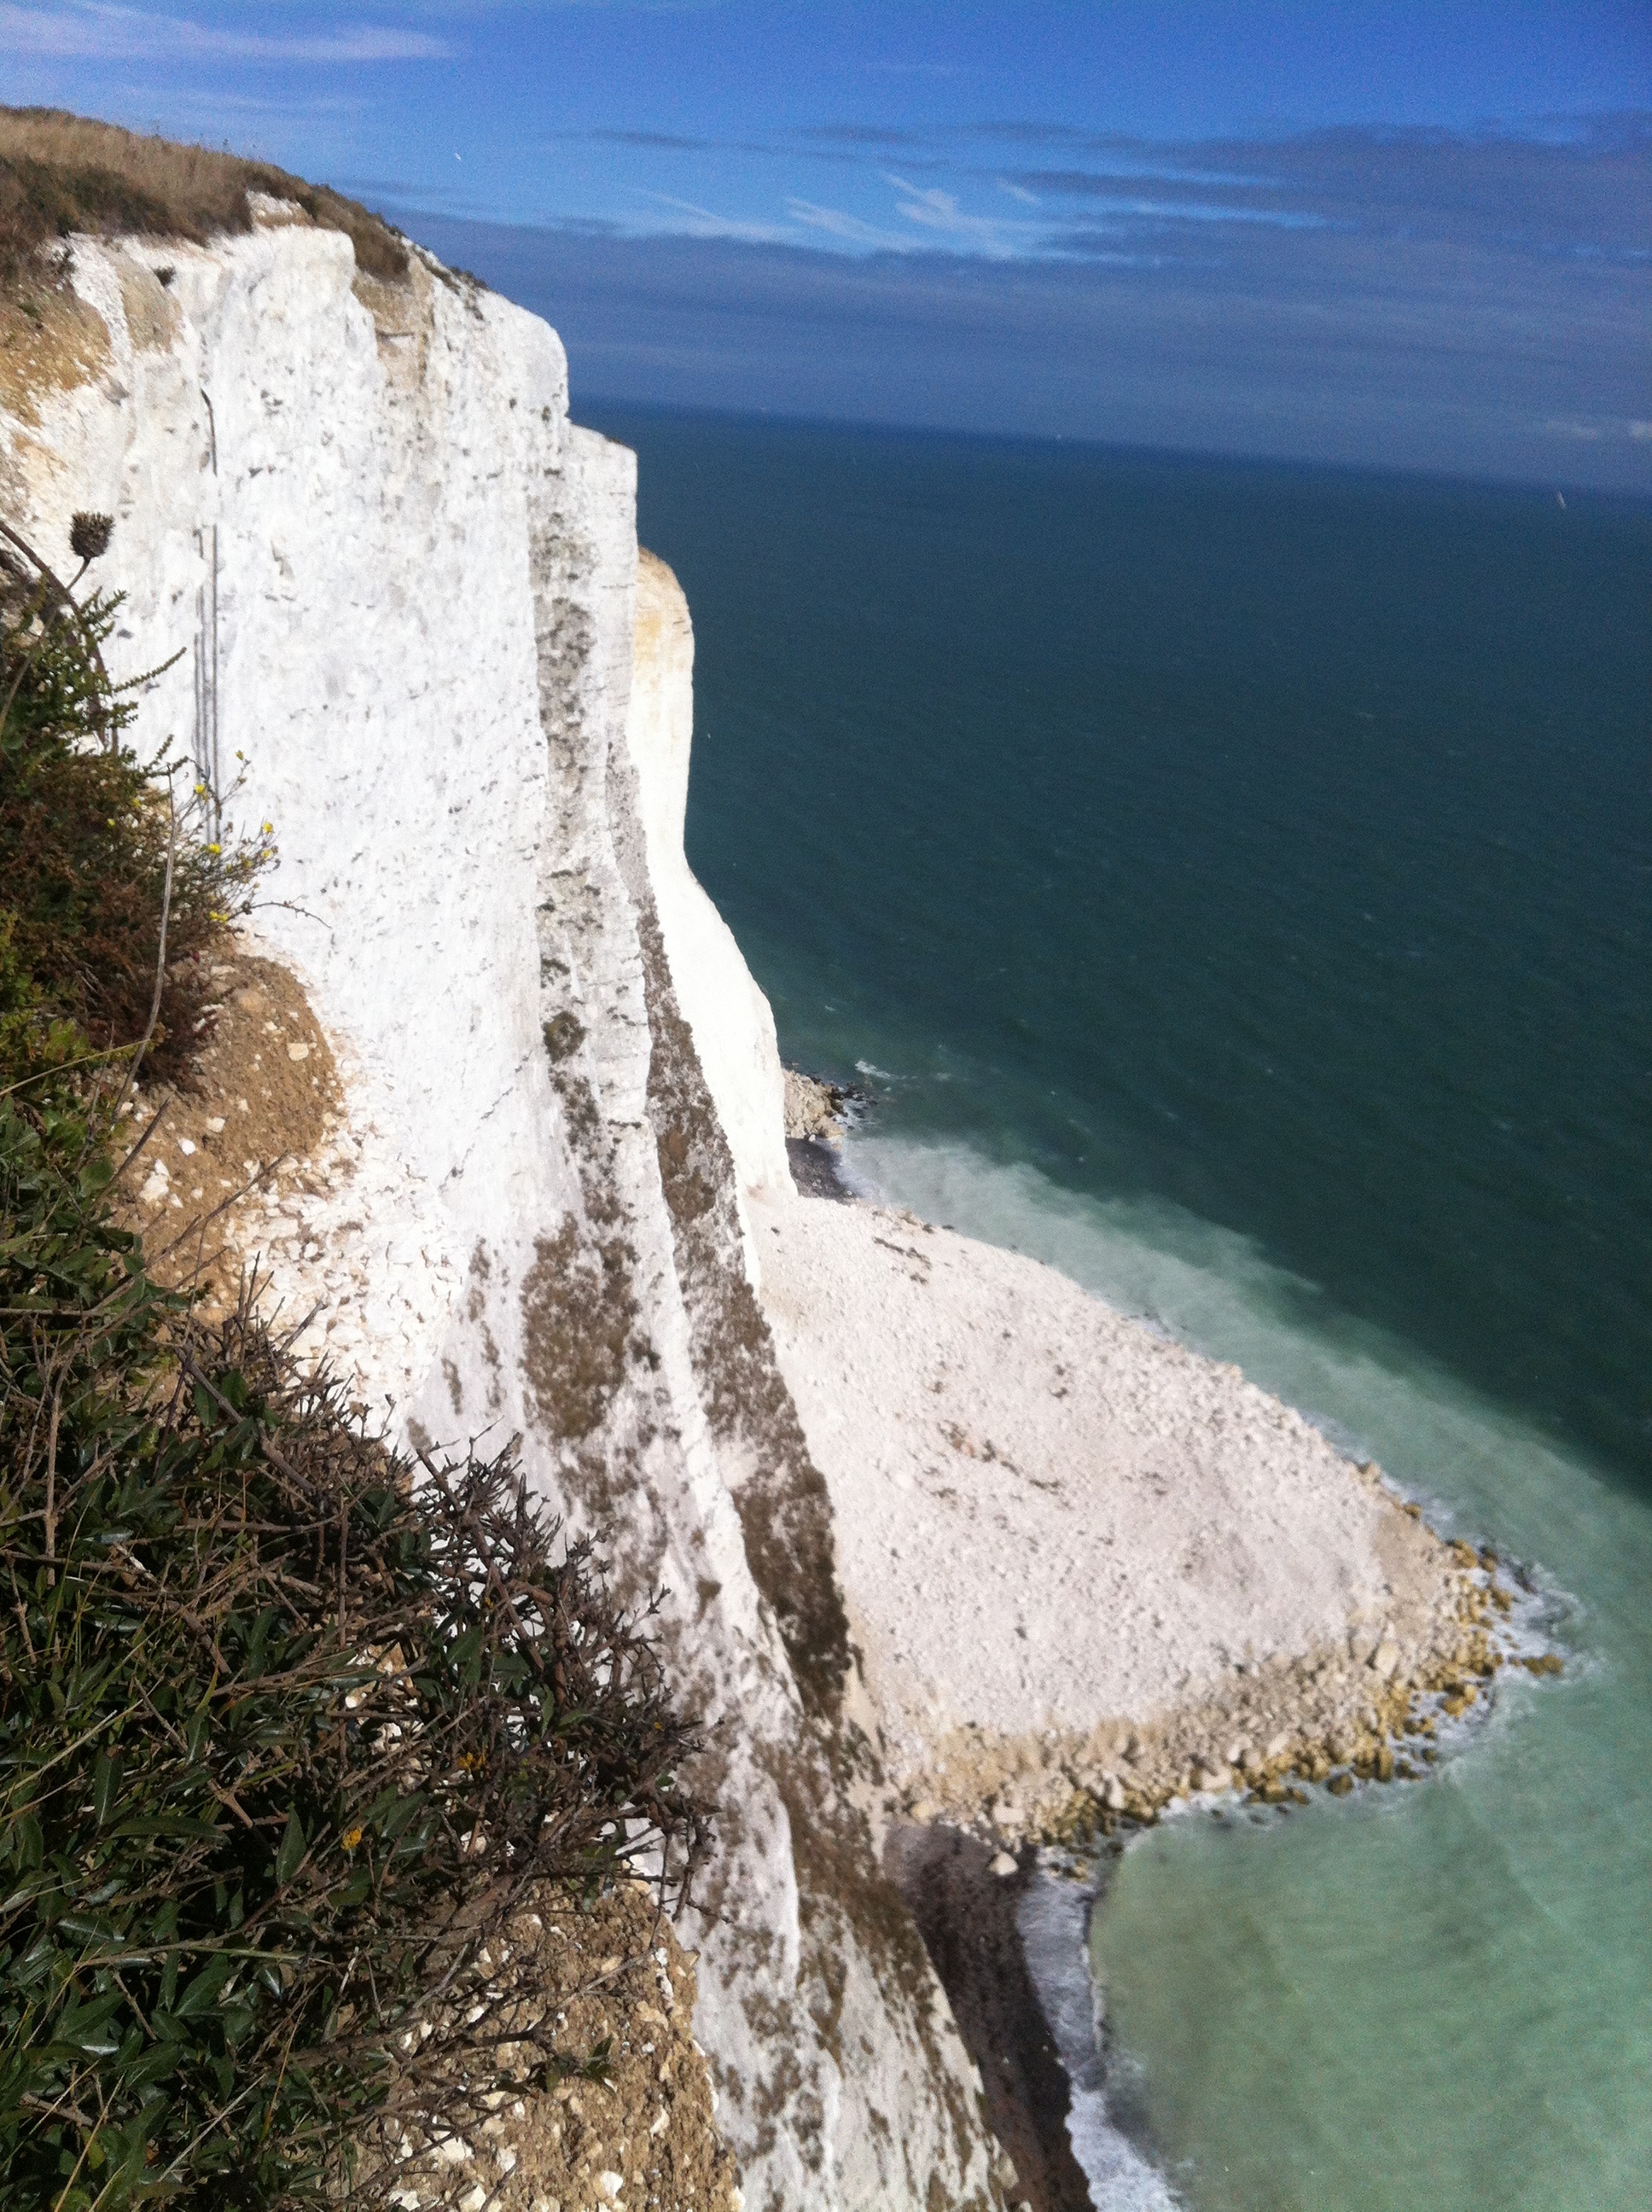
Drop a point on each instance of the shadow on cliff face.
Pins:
(786, 1514)
(818, 1169)
(966, 1915)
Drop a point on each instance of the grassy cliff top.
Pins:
(61, 174)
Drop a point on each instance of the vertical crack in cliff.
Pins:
(852, 1918)
(626, 1302)
(783, 1501)
(848, 1907)
(917, 2120)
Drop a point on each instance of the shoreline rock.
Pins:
(1331, 1719)
(814, 1109)
(1339, 1723)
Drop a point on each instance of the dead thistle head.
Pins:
(89, 536)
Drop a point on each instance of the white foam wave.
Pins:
(1054, 1920)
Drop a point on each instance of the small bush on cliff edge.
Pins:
(291, 1730)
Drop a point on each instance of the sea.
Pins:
(1231, 882)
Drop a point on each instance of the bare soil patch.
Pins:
(643, 2137)
(50, 341)
(264, 1096)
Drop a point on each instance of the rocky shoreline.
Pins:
(1087, 1570)
(1334, 1718)
(1369, 1710)
(815, 1111)
(816, 1115)
(1091, 1577)
(964, 1870)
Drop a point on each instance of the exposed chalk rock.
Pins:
(467, 712)
(813, 1110)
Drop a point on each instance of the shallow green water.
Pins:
(1234, 885)
(1433, 1996)
(1439, 1995)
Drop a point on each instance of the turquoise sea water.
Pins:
(1234, 884)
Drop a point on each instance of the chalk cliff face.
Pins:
(408, 591)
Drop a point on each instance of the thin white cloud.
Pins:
(191, 110)
(93, 32)
(938, 211)
(847, 228)
(1590, 431)
(934, 212)
(1018, 192)
(912, 68)
(705, 223)
(1095, 192)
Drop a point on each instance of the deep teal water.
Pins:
(1234, 885)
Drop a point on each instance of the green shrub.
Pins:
(286, 1743)
(292, 1730)
(86, 833)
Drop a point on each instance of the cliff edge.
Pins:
(406, 591)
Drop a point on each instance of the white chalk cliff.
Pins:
(407, 590)
(414, 623)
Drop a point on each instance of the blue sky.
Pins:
(1415, 235)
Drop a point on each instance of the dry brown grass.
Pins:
(61, 174)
